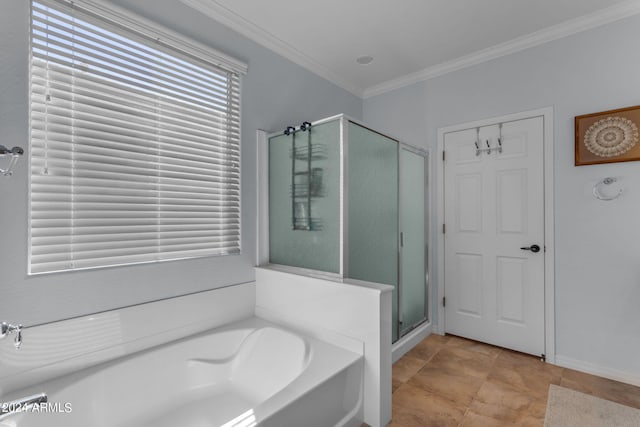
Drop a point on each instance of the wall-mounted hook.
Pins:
(15, 154)
(305, 126)
(604, 195)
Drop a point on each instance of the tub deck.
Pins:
(248, 373)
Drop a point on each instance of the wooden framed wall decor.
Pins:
(608, 137)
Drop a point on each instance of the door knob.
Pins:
(533, 248)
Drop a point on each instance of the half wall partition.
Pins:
(348, 202)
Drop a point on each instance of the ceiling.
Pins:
(410, 40)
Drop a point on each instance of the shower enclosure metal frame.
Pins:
(262, 256)
(425, 155)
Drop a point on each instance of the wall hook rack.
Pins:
(600, 192)
(15, 154)
(485, 150)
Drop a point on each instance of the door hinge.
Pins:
(401, 239)
(444, 301)
(444, 228)
(443, 156)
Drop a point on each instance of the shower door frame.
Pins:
(426, 159)
(262, 224)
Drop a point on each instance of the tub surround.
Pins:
(361, 311)
(59, 348)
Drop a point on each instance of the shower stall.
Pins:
(348, 202)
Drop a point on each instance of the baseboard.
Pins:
(409, 341)
(601, 371)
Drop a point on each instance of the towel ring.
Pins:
(597, 190)
(15, 154)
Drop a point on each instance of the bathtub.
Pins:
(250, 373)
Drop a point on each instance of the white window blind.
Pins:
(134, 147)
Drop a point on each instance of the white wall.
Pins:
(275, 93)
(597, 243)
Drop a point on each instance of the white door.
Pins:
(494, 215)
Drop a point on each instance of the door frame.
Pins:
(549, 257)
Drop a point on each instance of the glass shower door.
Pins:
(413, 256)
(373, 210)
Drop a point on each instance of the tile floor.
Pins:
(452, 381)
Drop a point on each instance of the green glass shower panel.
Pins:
(413, 256)
(304, 198)
(373, 210)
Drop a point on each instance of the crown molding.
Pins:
(564, 29)
(248, 29)
(236, 22)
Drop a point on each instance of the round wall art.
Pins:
(611, 137)
(608, 136)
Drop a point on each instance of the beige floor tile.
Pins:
(428, 347)
(472, 419)
(498, 400)
(413, 406)
(516, 359)
(474, 346)
(452, 381)
(406, 367)
(395, 384)
(459, 388)
(525, 373)
(459, 361)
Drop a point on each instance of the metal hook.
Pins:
(305, 126)
(289, 130)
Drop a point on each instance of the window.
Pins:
(135, 142)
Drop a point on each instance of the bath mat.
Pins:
(569, 408)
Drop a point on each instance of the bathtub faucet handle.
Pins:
(7, 329)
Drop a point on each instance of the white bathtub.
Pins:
(244, 374)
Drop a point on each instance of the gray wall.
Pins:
(275, 93)
(597, 243)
